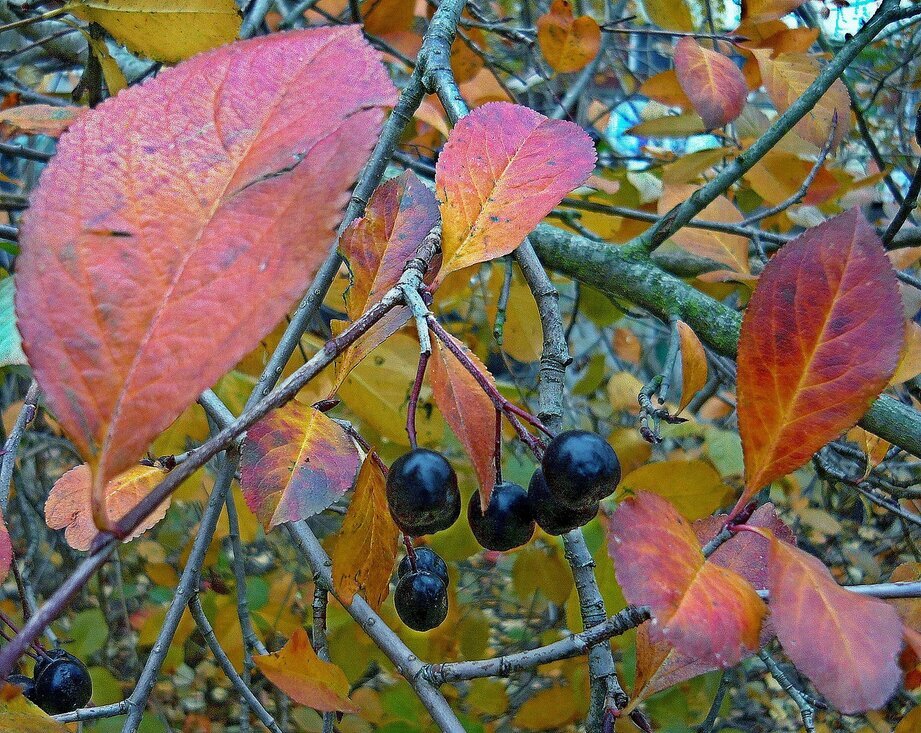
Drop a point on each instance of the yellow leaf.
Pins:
(631, 449)
(623, 389)
(910, 365)
(520, 339)
(549, 709)
(911, 722)
(164, 30)
(694, 368)
(18, 715)
(297, 671)
(541, 569)
(366, 547)
(673, 15)
(670, 126)
(693, 487)
(874, 447)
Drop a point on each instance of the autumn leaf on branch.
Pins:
(568, 43)
(712, 81)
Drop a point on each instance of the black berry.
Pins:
(508, 521)
(421, 600)
(426, 559)
(552, 516)
(422, 492)
(581, 468)
(62, 683)
(26, 683)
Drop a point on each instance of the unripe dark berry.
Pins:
(581, 468)
(421, 600)
(552, 516)
(23, 682)
(62, 684)
(426, 559)
(422, 492)
(508, 520)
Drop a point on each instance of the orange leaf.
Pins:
(665, 88)
(295, 463)
(70, 507)
(366, 546)
(787, 77)
(706, 611)
(502, 170)
(177, 224)
(820, 339)
(713, 83)
(40, 119)
(468, 410)
(297, 671)
(566, 42)
(694, 369)
(847, 644)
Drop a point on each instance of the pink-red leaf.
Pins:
(847, 644)
(713, 83)
(820, 339)
(707, 612)
(468, 410)
(502, 170)
(296, 461)
(6, 550)
(180, 220)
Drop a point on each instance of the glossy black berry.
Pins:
(508, 521)
(421, 600)
(62, 684)
(552, 516)
(581, 468)
(25, 683)
(422, 492)
(426, 559)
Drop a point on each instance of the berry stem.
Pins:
(414, 399)
(39, 649)
(410, 550)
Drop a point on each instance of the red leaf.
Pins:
(820, 340)
(847, 644)
(713, 83)
(468, 410)
(295, 463)
(180, 220)
(502, 170)
(706, 611)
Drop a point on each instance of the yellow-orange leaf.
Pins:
(566, 42)
(664, 87)
(712, 81)
(706, 611)
(767, 9)
(18, 715)
(694, 369)
(70, 503)
(673, 15)
(366, 546)
(910, 363)
(694, 488)
(468, 410)
(297, 671)
(40, 119)
(847, 644)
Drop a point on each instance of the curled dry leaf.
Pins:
(366, 546)
(70, 507)
(502, 170)
(694, 368)
(706, 611)
(820, 339)
(295, 463)
(160, 210)
(712, 81)
(568, 43)
(297, 671)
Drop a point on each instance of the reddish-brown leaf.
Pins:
(820, 339)
(713, 83)
(694, 369)
(297, 671)
(502, 170)
(568, 43)
(180, 220)
(366, 546)
(296, 461)
(468, 410)
(847, 644)
(70, 504)
(40, 119)
(706, 611)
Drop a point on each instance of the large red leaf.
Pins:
(706, 611)
(847, 644)
(180, 220)
(296, 461)
(468, 410)
(502, 170)
(713, 83)
(820, 340)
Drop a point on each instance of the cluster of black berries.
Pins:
(578, 470)
(61, 683)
